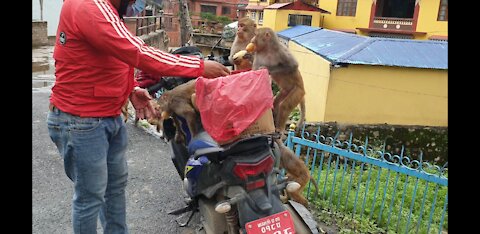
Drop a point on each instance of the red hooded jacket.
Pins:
(95, 56)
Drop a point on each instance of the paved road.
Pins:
(153, 189)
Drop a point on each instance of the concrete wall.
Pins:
(360, 20)
(427, 20)
(156, 39)
(278, 19)
(51, 13)
(363, 94)
(270, 18)
(39, 33)
(316, 74)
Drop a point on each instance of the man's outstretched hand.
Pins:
(214, 69)
(140, 99)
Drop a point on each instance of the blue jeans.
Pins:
(93, 152)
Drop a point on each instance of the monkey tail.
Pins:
(301, 121)
(314, 184)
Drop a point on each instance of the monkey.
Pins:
(283, 69)
(178, 102)
(158, 122)
(125, 111)
(245, 32)
(296, 171)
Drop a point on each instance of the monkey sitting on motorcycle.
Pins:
(180, 101)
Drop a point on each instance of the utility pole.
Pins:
(41, 10)
(186, 29)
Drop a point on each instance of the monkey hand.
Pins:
(242, 56)
(140, 99)
(239, 55)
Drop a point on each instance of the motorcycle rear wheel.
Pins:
(212, 222)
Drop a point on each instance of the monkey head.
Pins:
(158, 116)
(246, 28)
(263, 37)
(161, 106)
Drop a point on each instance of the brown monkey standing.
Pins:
(283, 69)
(245, 32)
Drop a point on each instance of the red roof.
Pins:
(297, 5)
(277, 5)
(254, 7)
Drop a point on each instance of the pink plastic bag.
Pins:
(230, 104)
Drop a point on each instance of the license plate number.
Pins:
(279, 223)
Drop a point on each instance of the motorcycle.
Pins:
(235, 187)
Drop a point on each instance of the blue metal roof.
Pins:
(329, 44)
(400, 52)
(296, 31)
(339, 47)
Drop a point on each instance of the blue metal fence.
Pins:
(398, 193)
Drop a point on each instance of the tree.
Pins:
(186, 29)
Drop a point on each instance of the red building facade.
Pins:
(233, 9)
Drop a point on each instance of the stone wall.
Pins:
(432, 141)
(39, 33)
(174, 38)
(156, 39)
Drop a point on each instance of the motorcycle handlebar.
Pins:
(221, 59)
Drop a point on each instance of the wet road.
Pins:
(42, 67)
(153, 188)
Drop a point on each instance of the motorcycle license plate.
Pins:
(279, 223)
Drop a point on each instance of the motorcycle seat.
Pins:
(203, 144)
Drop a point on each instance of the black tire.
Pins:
(212, 222)
(179, 155)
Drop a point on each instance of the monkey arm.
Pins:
(286, 64)
(230, 59)
(282, 68)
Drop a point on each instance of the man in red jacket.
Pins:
(95, 56)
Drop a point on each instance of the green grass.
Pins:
(360, 216)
